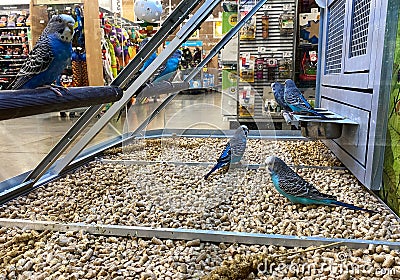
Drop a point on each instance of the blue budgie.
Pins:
(168, 70)
(49, 56)
(169, 66)
(233, 151)
(296, 101)
(278, 90)
(165, 73)
(297, 190)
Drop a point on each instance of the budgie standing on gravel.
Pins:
(233, 151)
(296, 101)
(278, 89)
(297, 190)
(48, 57)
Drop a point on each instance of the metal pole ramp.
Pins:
(181, 36)
(125, 78)
(215, 50)
(191, 234)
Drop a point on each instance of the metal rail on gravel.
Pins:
(191, 234)
(204, 163)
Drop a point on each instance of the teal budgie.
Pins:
(297, 190)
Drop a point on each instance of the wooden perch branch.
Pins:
(27, 102)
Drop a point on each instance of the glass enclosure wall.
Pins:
(390, 192)
(168, 182)
(213, 100)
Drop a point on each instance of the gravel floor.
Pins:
(208, 150)
(76, 255)
(168, 195)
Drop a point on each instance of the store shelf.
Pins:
(12, 57)
(12, 36)
(11, 44)
(11, 60)
(52, 2)
(16, 27)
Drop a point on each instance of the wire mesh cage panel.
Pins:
(356, 45)
(360, 24)
(333, 61)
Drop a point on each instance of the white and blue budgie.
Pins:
(233, 151)
(49, 56)
(296, 101)
(297, 190)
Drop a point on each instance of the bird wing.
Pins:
(38, 61)
(226, 154)
(295, 98)
(296, 186)
(304, 101)
(170, 66)
(238, 145)
(281, 100)
(159, 72)
(148, 61)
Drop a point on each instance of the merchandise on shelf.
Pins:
(79, 68)
(272, 68)
(308, 67)
(265, 25)
(286, 23)
(11, 21)
(309, 27)
(246, 102)
(14, 41)
(247, 68)
(259, 74)
(119, 44)
(285, 68)
(248, 31)
(14, 49)
(3, 20)
(21, 20)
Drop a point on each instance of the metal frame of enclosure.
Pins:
(350, 84)
(354, 74)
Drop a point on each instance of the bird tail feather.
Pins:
(351, 206)
(211, 171)
(218, 165)
(317, 113)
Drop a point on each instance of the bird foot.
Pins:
(56, 89)
(286, 204)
